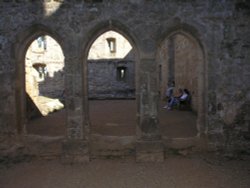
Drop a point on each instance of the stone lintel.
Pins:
(75, 151)
(149, 151)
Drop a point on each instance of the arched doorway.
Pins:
(44, 85)
(181, 61)
(39, 84)
(110, 69)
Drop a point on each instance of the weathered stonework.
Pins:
(220, 29)
(106, 81)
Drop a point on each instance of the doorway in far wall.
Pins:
(181, 61)
(111, 85)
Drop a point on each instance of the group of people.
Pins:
(173, 100)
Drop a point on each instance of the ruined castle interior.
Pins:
(85, 79)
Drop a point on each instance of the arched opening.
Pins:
(181, 66)
(41, 95)
(111, 77)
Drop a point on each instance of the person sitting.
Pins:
(169, 92)
(185, 104)
(175, 100)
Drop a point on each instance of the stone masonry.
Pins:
(219, 30)
(106, 81)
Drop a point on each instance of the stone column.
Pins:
(171, 60)
(75, 147)
(149, 146)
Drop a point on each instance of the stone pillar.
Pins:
(76, 146)
(149, 146)
(171, 59)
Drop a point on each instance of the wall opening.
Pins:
(111, 87)
(121, 73)
(181, 64)
(44, 87)
(112, 44)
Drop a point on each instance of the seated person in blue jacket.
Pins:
(169, 92)
(175, 100)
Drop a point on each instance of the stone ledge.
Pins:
(149, 151)
(112, 146)
(75, 151)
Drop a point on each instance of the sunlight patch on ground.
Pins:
(47, 105)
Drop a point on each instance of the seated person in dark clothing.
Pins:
(186, 104)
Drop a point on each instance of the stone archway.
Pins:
(181, 58)
(24, 40)
(111, 145)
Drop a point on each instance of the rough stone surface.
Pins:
(221, 29)
(75, 151)
(149, 151)
(105, 80)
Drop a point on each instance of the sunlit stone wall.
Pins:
(111, 45)
(44, 67)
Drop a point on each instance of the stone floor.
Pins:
(117, 118)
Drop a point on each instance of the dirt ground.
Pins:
(117, 118)
(174, 172)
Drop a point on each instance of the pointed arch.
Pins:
(20, 47)
(89, 39)
(182, 28)
(105, 26)
(26, 37)
(192, 34)
(93, 34)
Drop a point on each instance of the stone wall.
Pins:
(53, 87)
(106, 80)
(221, 29)
(51, 81)
(111, 45)
(188, 58)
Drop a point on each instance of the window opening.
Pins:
(41, 69)
(121, 73)
(42, 43)
(112, 44)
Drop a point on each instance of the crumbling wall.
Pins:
(229, 88)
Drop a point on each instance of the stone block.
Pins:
(75, 151)
(112, 146)
(149, 151)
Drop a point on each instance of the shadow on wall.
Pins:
(32, 110)
(53, 87)
(49, 96)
